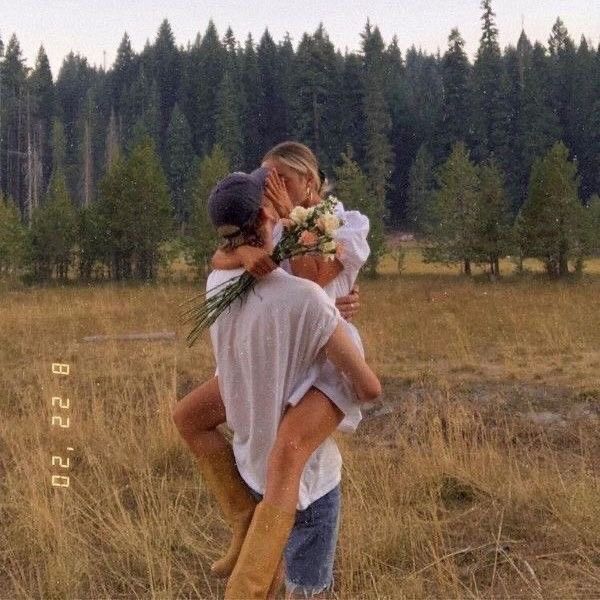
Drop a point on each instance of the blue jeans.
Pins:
(310, 549)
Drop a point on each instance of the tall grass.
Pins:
(457, 493)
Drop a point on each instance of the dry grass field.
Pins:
(481, 481)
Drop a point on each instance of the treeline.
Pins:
(221, 102)
(464, 213)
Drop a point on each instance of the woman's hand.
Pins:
(276, 192)
(349, 305)
(255, 260)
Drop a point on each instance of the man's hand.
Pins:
(349, 305)
(276, 192)
(255, 260)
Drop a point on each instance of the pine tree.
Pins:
(13, 238)
(512, 94)
(134, 205)
(456, 118)
(455, 215)
(420, 190)
(352, 101)
(378, 151)
(119, 220)
(167, 74)
(212, 58)
(490, 110)
(180, 158)
(121, 77)
(285, 70)
(148, 121)
(397, 99)
(316, 96)
(494, 235)
(228, 132)
(189, 91)
(584, 141)
(250, 117)
(550, 222)
(12, 152)
(72, 86)
(425, 99)
(43, 108)
(271, 104)
(92, 240)
(356, 193)
(54, 231)
(147, 195)
(539, 125)
(563, 93)
(211, 169)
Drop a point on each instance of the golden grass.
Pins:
(456, 493)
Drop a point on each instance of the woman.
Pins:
(295, 180)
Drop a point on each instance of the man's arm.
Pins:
(349, 305)
(344, 354)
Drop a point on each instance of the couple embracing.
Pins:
(290, 371)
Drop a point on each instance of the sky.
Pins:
(95, 28)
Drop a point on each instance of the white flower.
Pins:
(299, 215)
(328, 223)
(328, 247)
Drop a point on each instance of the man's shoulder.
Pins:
(219, 276)
(291, 291)
(294, 285)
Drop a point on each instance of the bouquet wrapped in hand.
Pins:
(306, 231)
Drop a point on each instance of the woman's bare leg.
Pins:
(302, 430)
(197, 415)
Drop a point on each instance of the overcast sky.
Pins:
(92, 27)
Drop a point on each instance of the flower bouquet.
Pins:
(306, 231)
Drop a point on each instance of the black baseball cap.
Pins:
(235, 201)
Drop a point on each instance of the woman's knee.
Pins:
(200, 410)
(290, 450)
(181, 418)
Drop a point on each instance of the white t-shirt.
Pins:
(269, 352)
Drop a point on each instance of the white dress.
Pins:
(334, 384)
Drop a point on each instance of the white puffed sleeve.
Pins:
(353, 237)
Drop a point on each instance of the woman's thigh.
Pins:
(200, 410)
(310, 422)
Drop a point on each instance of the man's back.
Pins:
(268, 349)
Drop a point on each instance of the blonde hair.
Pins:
(302, 159)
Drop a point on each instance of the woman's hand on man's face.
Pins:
(276, 192)
(349, 305)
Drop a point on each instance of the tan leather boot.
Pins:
(223, 479)
(261, 553)
(278, 579)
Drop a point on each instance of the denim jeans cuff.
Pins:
(306, 591)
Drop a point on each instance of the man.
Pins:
(269, 348)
